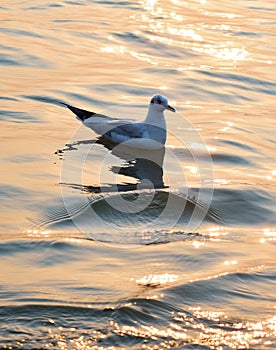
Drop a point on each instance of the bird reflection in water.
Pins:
(144, 165)
(121, 204)
(144, 203)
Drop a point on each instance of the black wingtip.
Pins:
(62, 103)
(80, 113)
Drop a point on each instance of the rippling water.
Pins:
(95, 257)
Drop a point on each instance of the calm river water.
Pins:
(107, 248)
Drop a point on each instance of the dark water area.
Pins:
(104, 247)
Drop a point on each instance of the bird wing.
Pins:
(127, 131)
(100, 123)
(131, 130)
(82, 114)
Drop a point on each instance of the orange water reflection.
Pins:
(87, 56)
(194, 329)
(180, 29)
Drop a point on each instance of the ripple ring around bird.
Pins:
(135, 199)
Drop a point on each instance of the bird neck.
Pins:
(156, 118)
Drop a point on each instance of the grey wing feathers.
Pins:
(135, 130)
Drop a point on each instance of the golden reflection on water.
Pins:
(218, 231)
(227, 128)
(269, 235)
(197, 327)
(232, 262)
(198, 244)
(224, 52)
(172, 28)
(183, 29)
(200, 326)
(154, 280)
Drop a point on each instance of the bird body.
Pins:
(148, 134)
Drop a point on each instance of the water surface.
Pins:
(95, 257)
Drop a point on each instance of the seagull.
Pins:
(148, 134)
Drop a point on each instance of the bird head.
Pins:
(160, 103)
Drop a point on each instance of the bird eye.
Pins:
(159, 101)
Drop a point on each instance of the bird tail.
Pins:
(82, 114)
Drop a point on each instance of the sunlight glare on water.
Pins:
(107, 248)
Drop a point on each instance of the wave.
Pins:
(129, 216)
(191, 314)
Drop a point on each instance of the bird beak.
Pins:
(170, 108)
